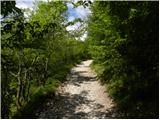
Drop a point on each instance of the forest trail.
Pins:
(81, 96)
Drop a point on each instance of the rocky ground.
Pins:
(82, 96)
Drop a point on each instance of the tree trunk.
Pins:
(18, 103)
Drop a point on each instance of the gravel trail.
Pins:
(80, 97)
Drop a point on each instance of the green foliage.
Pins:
(84, 3)
(123, 41)
(37, 53)
(9, 7)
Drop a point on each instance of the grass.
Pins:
(97, 68)
(40, 94)
(37, 98)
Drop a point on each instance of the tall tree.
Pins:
(124, 42)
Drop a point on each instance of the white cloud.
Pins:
(79, 12)
(71, 18)
(69, 5)
(27, 3)
(24, 3)
(83, 12)
(74, 27)
(83, 37)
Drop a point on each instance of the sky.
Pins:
(79, 12)
(24, 3)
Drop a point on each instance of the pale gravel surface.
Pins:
(81, 96)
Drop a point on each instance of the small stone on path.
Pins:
(80, 97)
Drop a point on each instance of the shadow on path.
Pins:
(80, 97)
(65, 106)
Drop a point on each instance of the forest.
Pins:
(37, 53)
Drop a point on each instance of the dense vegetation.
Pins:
(37, 53)
(123, 38)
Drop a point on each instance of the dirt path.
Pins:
(81, 96)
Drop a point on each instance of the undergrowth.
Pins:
(42, 93)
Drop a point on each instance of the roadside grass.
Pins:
(40, 94)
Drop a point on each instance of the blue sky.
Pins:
(72, 12)
(79, 12)
(24, 3)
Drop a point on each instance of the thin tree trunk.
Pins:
(19, 89)
(18, 103)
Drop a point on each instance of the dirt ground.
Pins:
(81, 97)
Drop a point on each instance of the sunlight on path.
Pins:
(81, 96)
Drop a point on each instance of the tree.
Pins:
(123, 39)
(34, 50)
